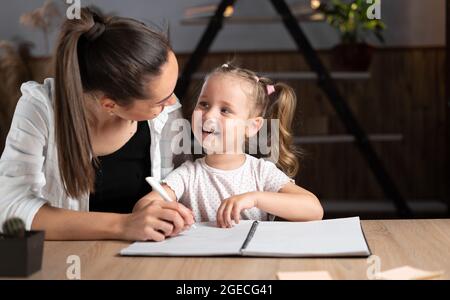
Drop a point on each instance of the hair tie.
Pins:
(270, 89)
(95, 32)
(225, 66)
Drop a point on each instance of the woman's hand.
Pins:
(156, 220)
(143, 202)
(231, 208)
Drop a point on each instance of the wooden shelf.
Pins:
(313, 17)
(305, 75)
(345, 138)
(381, 207)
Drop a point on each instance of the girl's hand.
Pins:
(231, 208)
(156, 221)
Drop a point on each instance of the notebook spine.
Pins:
(250, 235)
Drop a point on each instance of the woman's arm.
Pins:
(153, 221)
(23, 158)
(62, 224)
(292, 203)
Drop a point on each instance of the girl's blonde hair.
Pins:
(271, 101)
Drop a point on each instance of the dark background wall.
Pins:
(402, 96)
(410, 23)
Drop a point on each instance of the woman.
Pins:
(81, 145)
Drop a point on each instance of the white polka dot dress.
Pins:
(203, 188)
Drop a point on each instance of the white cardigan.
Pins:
(29, 173)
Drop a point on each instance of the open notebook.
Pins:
(328, 238)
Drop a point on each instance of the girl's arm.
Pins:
(292, 203)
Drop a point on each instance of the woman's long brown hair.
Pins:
(111, 55)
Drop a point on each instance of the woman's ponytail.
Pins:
(112, 56)
(71, 124)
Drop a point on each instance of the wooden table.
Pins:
(423, 244)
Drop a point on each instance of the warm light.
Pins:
(354, 6)
(315, 4)
(317, 17)
(229, 11)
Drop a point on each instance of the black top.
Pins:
(120, 176)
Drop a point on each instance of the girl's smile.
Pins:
(210, 128)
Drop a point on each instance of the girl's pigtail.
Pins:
(284, 102)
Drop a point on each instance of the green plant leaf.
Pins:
(350, 19)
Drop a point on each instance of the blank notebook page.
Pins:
(205, 240)
(339, 237)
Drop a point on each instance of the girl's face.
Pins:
(161, 89)
(221, 119)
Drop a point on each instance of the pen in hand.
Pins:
(160, 190)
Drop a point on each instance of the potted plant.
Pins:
(18, 65)
(351, 20)
(20, 250)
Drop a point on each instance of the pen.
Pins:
(160, 190)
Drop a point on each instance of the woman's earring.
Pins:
(111, 113)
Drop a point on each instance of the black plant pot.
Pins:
(352, 57)
(20, 257)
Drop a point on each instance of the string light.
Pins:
(315, 4)
(229, 11)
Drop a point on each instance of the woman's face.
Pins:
(161, 89)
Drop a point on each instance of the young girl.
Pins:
(228, 185)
